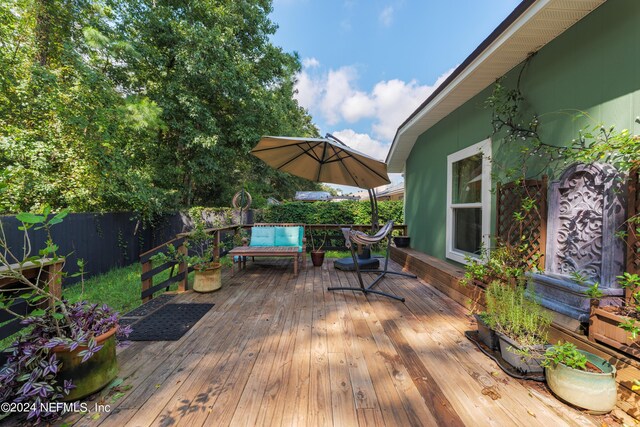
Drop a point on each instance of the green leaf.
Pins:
(29, 218)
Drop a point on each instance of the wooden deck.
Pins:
(280, 350)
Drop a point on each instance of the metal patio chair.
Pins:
(360, 238)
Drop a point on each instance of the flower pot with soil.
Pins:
(581, 378)
(317, 254)
(317, 258)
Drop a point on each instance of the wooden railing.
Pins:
(334, 237)
(149, 271)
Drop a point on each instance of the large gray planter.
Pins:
(595, 392)
(521, 363)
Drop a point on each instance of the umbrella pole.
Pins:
(373, 200)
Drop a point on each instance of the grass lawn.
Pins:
(118, 288)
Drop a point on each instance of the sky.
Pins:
(368, 64)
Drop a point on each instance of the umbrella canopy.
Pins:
(322, 160)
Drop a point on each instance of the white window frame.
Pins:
(483, 147)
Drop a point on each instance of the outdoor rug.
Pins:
(150, 306)
(169, 322)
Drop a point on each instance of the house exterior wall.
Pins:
(593, 67)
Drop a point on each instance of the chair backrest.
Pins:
(364, 239)
(277, 235)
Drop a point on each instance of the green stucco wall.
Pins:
(593, 67)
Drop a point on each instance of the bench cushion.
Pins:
(263, 236)
(289, 236)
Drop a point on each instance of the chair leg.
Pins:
(382, 273)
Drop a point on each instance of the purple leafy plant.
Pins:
(30, 374)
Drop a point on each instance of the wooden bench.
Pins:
(273, 240)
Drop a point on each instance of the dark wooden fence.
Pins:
(103, 241)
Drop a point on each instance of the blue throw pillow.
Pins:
(263, 236)
(287, 236)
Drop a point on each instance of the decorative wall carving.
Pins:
(579, 235)
(586, 208)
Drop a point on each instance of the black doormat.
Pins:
(168, 323)
(150, 306)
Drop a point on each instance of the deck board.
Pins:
(279, 349)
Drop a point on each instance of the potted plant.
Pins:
(198, 253)
(69, 352)
(317, 254)
(486, 321)
(580, 378)
(521, 325)
(617, 326)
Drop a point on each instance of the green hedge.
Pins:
(346, 212)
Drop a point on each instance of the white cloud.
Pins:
(337, 89)
(363, 142)
(334, 95)
(386, 16)
(310, 63)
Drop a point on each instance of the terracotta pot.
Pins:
(92, 375)
(595, 392)
(317, 258)
(208, 280)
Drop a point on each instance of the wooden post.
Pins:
(54, 279)
(147, 283)
(183, 268)
(216, 246)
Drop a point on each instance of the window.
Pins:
(468, 201)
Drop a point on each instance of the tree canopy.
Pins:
(144, 105)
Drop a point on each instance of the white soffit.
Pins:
(539, 24)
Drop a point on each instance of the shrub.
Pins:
(346, 212)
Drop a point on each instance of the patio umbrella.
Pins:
(325, 160)
(322, 160)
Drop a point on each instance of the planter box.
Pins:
(522, 364)
(487, 335)
(603, 328)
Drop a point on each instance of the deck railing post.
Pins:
(216, 246)
(183, 266)
(147, 283)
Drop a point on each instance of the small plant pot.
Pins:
(402, 241)
(508, 348)
(317, 258)
(594, 391)
(486, 334)
(92, 375)
(208, 280)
